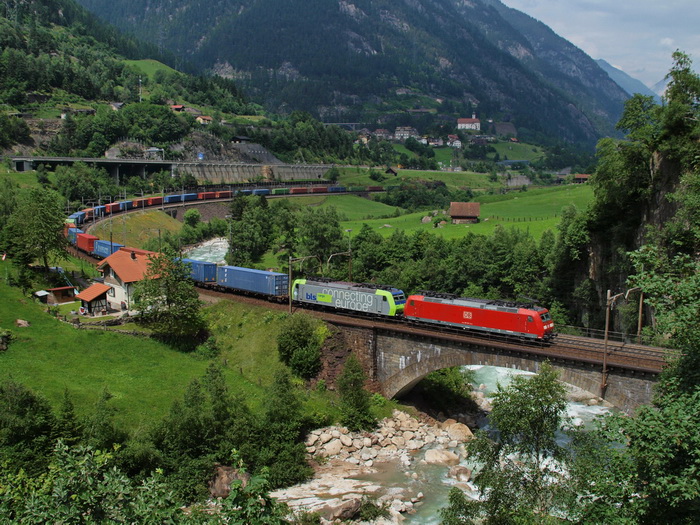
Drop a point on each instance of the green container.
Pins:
(280, 191)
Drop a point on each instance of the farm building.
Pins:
(464, 212)
(61, 295)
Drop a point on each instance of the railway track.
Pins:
(588, 350)
(567, 347)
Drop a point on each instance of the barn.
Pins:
(464, 212)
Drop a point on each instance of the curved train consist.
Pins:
(427, 308)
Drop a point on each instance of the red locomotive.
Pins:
(524, 321)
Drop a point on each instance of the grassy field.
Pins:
(149, 67)
(535, 211)
(453, 180)
(350, 207)
(135, 229)
(517, 151)
(144, 375)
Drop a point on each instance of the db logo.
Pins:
(467, 315)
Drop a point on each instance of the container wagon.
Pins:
(365, 298)
(205, 195)
(254, 281)
(139, 203)
(190, 197)
(112, 207)
(154, 201)
(73, 235)
(169, 199)
(295, 191)
(280, 191)
(356, 189)
(337, 189)
(201, 271)
(99, 211)
(125, 205)
(104, 249)
(375, 188)
(224, 194)
(319, 189)
(481, 315)
(261, 191)
(89, 213)
(86, 242)
(78, 217)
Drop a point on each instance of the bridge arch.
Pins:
(399, 360)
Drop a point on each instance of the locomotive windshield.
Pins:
(399, 298)
(546, 317)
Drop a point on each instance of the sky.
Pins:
(636, 36)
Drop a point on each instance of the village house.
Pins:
(464, 212)
(383, 134)
(177, 107)
(121, 271)
(453, 141)
(404, 132)
(204, 119)
(469, 123)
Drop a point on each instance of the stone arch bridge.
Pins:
(397, 357)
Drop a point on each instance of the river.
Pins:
(433, 480)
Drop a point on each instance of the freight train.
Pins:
(526, 322)
(88, 214)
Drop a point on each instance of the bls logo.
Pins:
(310, 296)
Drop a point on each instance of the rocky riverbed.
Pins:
(345, 459)
(389, 465)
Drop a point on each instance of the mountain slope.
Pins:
(629, 84)
(345, 60)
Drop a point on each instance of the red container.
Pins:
(86, 242)
(67, 226)
(89, 213)
(298, 190)
(374, 188)
(112, 207)
(206, 195)
(140, 203)
(153, 201)
(224, 194)
(319, 189)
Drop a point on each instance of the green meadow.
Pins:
(534, 210)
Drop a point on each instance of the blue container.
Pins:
(202, 271)
(190, 197)
(78, 217)
(261, 191)
(168, 199)
(126, 205)
(244, 192)
(105, 248)
(337, 189)
(73, 234)
(255, 281)
(99, 211)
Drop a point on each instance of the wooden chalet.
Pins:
(465, 212)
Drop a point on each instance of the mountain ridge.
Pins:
(345, 60)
